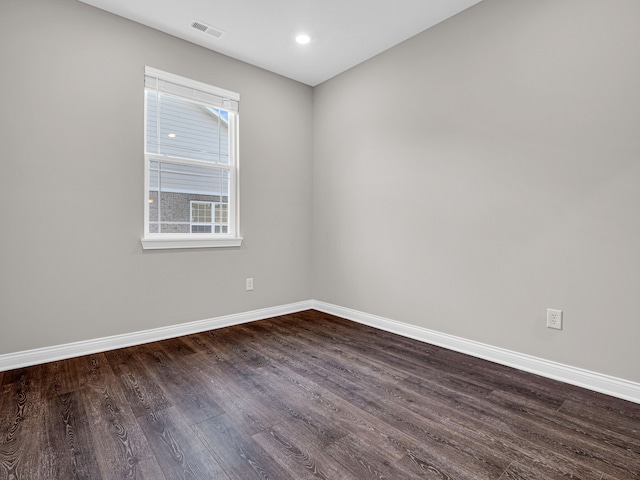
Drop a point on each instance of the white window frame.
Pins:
(154, 241)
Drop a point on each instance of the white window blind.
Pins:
(190, 159)
(190, 89)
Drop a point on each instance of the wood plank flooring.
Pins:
(305, 396)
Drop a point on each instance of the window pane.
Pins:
(201, 212)
(188, 178)
(222, 213)
(201, 229)
(181, 196)
(185, 129)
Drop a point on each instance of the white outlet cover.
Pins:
(554, 318)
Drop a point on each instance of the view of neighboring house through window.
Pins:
(190, 162)
(209, 217)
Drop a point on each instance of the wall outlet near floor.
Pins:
(554, 318)
(249, 284)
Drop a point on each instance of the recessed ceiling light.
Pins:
(172, 135)
(303, 38)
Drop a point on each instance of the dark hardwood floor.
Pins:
(303, 396)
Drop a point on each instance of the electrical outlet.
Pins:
(249, 284)
(554, 318)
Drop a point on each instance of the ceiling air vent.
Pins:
(203, 27)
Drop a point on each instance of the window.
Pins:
(190, 163)
(209, 217)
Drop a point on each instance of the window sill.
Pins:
(173, 242)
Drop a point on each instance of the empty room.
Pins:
(302, 239)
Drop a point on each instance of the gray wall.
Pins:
(485, 170)
(71, 182)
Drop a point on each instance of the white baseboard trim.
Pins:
(37, 356)
(598, 382)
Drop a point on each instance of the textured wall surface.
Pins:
(487, 169)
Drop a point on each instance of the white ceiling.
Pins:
(343, 33)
